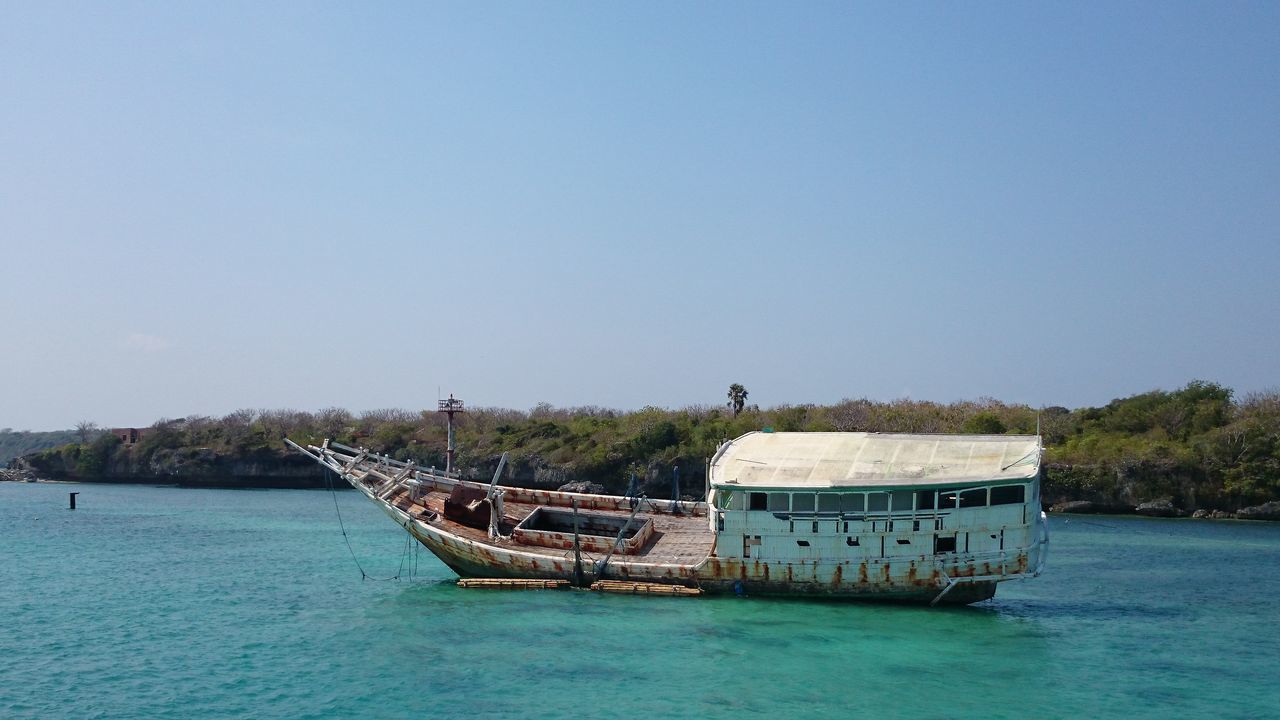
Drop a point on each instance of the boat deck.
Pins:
(677, 538)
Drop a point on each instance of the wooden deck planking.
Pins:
(677, 539)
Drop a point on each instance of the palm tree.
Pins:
(737, 398)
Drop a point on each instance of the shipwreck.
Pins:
(921, 518)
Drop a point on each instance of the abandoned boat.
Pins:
(926, 518)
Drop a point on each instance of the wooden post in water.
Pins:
(72, 498)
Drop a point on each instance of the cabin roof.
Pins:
(783, 460)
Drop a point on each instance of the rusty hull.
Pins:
(840, 580)
(418, 507)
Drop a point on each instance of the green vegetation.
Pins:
(737, 397)
(1198, 446)
(18, 443)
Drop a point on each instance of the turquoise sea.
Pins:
(154, 602)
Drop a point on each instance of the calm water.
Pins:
(169, 603)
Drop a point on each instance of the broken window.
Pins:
(828, 502)
(944, 544)
(853, 502)
(976, 497)
(759, 501)
(924, 499)
(902, 500)
(1008, 495)
(802, 502)
(877, 502)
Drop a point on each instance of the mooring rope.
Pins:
(347, 539)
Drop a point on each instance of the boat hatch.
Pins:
(596, 532)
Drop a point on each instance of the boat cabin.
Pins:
(945, 501)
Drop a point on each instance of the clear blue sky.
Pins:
(209, 206)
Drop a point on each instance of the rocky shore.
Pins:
(1165, 508)
(17, 475)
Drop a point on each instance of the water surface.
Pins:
(154, 602)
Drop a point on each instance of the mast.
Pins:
(449, 407)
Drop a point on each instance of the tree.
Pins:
(985, 423)
(737, 398)
(87, 431)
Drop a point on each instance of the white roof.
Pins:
(835, 459)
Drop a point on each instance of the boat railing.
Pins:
(391, 474)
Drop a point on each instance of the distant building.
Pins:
(129, 436)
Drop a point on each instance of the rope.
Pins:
(347, 539)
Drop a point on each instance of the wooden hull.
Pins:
(682, 551)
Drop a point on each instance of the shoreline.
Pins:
(1266, 512)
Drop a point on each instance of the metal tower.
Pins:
(449, 407)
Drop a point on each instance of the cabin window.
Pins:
(904, 541)
(853, 502)
(976, 497)
(759, 501)
(735, 501)
(902, 500)
(779, 502)
(802, 502)
(802, 543)
(828, 502)
(877, 502)
(924, 499)
(851, 541)
(947, 499)
(1008, 495)
(815, 526)
(944, 544)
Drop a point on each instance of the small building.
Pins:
(129, 436)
